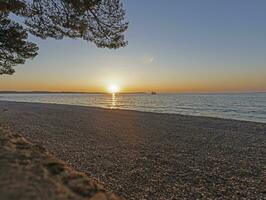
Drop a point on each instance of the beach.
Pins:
(142, 155)
(28, 171)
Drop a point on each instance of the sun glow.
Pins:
(113, 88)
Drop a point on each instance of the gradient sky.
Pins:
(174, 46)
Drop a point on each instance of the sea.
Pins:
(239, 106)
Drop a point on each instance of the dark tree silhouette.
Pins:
(98, 21)
(14, 49)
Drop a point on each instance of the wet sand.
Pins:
(142, 155)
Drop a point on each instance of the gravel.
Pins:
(141, 155)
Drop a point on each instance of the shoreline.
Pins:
(139, 111)
(143, 155)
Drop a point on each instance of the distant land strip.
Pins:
(62, 92)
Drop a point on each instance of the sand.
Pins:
(142, 155)
(28, 171)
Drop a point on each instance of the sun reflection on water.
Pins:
(113, 101)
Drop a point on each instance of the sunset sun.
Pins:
(113, 88)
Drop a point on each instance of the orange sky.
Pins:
(128, 83)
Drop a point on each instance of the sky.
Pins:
(173, 46)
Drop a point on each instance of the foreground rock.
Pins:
(27, 171)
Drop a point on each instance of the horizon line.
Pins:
(138, 92)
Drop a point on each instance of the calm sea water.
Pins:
(251, 106)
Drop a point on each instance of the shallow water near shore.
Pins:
(243, 106)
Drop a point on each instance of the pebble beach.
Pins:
(141, 155)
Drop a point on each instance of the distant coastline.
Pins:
(72, 92)
(62, 92)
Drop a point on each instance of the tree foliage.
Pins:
(98, 21)
(14, 49)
